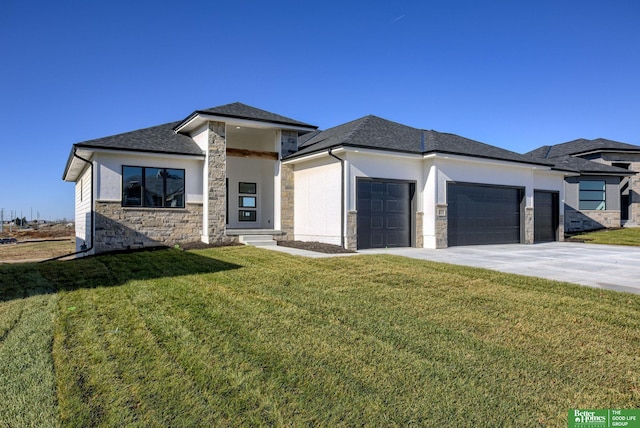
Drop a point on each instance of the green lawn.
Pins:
(625, 236)
(240, 336)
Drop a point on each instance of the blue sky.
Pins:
(515, 74)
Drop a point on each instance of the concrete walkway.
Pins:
(610, 267)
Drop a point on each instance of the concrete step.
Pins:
(257, 240)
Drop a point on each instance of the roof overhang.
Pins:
(432, 155)
(591, 152)
(198, 118)
(348, 149)
(612, 174)
(489, 160)
(75, 166)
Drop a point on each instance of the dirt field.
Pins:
(35, 251)
(59, 240)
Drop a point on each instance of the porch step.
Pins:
(257, 240)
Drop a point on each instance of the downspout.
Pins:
(342, 194)
(86, 250)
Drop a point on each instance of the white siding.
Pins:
(83, 209)
(317, 204)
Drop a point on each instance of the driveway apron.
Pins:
(609, 267)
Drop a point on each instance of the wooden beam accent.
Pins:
(252, 154)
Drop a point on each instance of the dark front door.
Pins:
(545, 216)
(384, 213)
(482, 214)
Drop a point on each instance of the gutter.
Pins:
(86, 250)
(342, 194)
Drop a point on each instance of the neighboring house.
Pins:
(236, 170)
(607, 191)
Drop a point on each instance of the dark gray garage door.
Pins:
(479, 214)
(545, 216)
(384, 213)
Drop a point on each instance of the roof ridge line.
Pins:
(351, 134)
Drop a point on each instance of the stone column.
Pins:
(634, 195)
(561, 228)
(419, 229)
(351, 243)
(442, 224)
(287, 202)
(528, 225)
(217, 193)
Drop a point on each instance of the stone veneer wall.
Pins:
(217, 191)
(442, 225)
(575, 221)
(352, 230)
(528, 225)
(286, 202)
(121, 228)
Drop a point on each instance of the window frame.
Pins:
(588, 194)
(164, 173)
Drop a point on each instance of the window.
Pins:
(247, 188)
(247, 201)
(246, 215)
(152, 187)
(592, 195)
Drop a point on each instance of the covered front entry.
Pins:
(384, 213)
(545, 216)
(481, 214)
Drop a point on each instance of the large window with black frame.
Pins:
(593, 195)
(152, 187)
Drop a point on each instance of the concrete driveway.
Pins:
(601, 266)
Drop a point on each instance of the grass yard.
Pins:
(624, 236)
(241, 336)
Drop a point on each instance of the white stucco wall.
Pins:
(551, 181)
(109, 177)
(252, 170)
(384, 165)
(83, 209)
(483, 172)
(317, 185)
(317, 205)
(201, 137)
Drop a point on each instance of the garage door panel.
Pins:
(377, 240)
(377, 222)
(384, 213)
(376, 205)
(480, 214)
(545, 216)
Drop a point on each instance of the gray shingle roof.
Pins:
(582, 145)
(577, 164)
(565, 155)
(377, 133)
(157, 139)
(243, 111)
